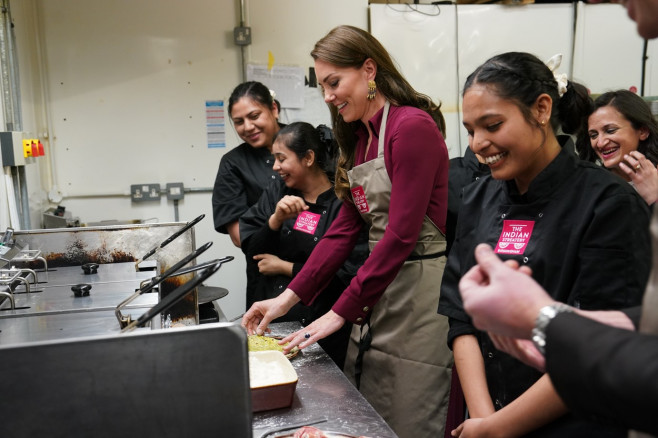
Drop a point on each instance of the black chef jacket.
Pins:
(466, 170)
(243, 174)
(463, 171)
(583, 231)
(295, 246)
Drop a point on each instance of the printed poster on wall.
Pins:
(286, 82)
(215, 124)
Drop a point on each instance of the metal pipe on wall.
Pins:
(54, 195)
(243, 49)
(128, 195)
(7, 103)
(15, 79)
(12, 108)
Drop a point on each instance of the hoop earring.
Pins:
(372, 90)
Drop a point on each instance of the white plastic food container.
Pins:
(272, 379)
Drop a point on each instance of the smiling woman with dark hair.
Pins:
(246, 170)
(581, 231)
(290, 218)
(623, 137)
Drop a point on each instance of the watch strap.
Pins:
(546, 314)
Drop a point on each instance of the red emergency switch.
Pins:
(41, 150)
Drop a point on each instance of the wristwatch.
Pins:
(546, 314)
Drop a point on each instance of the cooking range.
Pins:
(68, 282)
(99, 333)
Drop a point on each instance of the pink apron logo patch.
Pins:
(359, 197)
(307, 222)
(515, 237)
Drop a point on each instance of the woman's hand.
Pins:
(269, 264)
(322, 327)
(288, 207)
(643, 174)
(261, 313)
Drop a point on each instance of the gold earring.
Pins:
(543, 122)
(372, 90)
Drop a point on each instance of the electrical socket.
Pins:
(144, 192)
(175, 191)
(242, 36)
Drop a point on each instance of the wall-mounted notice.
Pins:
(215, 124)
(286, 82)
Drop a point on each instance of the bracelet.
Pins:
(546, 314)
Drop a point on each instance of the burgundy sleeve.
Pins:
(417, 160)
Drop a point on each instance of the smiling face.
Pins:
(293, 171)
(254, 122)
(498, 132)
(612, 136)
(346, 88)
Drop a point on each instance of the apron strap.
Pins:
(382, 130)
(364, 345)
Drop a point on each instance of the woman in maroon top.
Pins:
(393, 175)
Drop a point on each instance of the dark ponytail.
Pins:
(302, 137)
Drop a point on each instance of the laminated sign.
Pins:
(514, 237)
(307, 222)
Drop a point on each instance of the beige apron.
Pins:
(649, 320)
(405, 372)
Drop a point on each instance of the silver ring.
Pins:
(307, 335)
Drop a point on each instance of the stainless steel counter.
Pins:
(51, 311)
(323, 392)
(107, 273)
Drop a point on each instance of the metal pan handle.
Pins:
(123, 321)
(201, 266)
(175, 296)
(186, 227)
(169, 239)
(171, 272)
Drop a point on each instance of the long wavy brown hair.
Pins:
(349, 46)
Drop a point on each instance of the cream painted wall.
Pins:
(125, 83)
